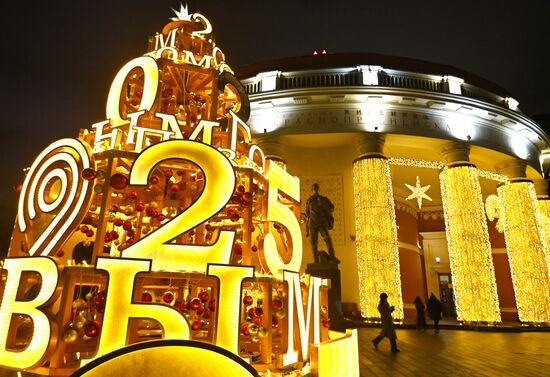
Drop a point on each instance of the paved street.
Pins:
(456, 353)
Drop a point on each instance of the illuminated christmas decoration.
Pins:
(469, 247)
(411, 162)
(418, 192)
(376, 238)
(154, 224)
(527, 248)
(544, 206)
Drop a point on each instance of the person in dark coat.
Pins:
(435, 308)
(420, 314)
(387, 323)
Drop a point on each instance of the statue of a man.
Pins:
(319, 211)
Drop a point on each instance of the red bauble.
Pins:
(168, 173)
(168, 297)
(175, 187)
(140, 207)
(149, 211)
(241, 189)
(244, 328)
(118, 222)
(130, 233)
(274, 322)
(161, 217)
(133, 195)
(196, 325)
(247, 197)
(84, 229)
(90, 233)
(209, 227)
(208, 236)
(146, 297)
(127, 225)
(113, 234)
(326, 323)
(89, 174)
(251, 313)
(60, 253)
(212, 305)
(195, 304)
(277, 304)
(254, 248)
(258, 311)
(203, 296)
(108, 237)
(238, 249)
(154, 180)
(118, 181)
(235, 217)
(99, 298)
(206, 314)
(91, 329)
(248, 300)
(257, 321)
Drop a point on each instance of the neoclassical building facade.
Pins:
(436, 175)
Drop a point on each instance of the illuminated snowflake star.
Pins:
(182, 14)
(418, 192)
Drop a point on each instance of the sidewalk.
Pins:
(456, 352)
(452, 324)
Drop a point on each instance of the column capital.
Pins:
(455, 151)
(272, 147)
(370, 143)
(541, 187)
(512, 168)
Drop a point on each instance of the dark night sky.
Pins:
(59, 57)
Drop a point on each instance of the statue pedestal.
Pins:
(330, 271)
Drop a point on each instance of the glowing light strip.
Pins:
(469, 246)
(56, 173)
(119, 306)
(150, 85)
(231, 277)
(544, 205)
(339, 357)
(417, 163)
(526, 247)
(77, 156)
(219, 185)
(376, 242)
(39, 344)
(279, 179)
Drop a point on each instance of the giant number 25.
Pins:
(158, 245)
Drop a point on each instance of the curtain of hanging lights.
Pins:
(376, 236)
(469, 246)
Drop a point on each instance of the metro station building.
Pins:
(437, 177)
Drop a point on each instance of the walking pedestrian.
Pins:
(420, 314)
(435, 308)
(387, 323)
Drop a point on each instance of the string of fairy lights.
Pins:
(519, 215)
(376, 242)
(527, 250)
(469, 246)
